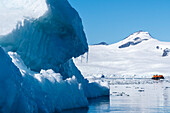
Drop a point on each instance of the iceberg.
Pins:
(41, 37)
(10, 79)
(36, 92)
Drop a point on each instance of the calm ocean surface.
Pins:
(132, 96)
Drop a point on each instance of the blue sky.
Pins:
(113, 20)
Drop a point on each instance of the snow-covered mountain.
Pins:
(138, 54)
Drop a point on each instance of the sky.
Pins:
(113, 20)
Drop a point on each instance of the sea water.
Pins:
(132, 96)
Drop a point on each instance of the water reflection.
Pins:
(145, 98)
(97, 105)
(79, 110)
(140, 97)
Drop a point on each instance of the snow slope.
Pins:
(41, 37)
(138, 54)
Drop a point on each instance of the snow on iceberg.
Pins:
(42, 46)
(13, 11)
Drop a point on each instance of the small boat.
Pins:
(157, 77)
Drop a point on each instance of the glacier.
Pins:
(41, 37)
